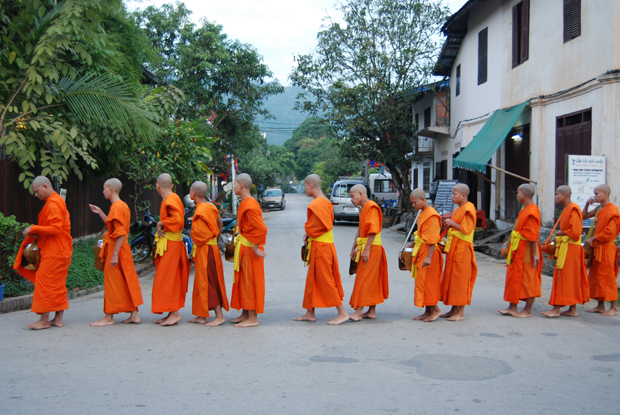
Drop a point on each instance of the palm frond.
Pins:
(107, 101)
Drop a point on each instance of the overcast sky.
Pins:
(278, 29)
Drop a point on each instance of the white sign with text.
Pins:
(584, 174)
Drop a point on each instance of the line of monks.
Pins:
(451, 283)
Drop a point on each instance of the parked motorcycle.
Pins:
(142, 245)
(227, 232)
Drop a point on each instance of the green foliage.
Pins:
(12, 237)
(82, 272)
(363, 74)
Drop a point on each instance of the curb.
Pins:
(24, 302)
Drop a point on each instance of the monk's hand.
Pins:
(114, 260)
(95, 209)
(588, 242)
(427, 261)
(353, 254)
(535, 261)
(305, 239)
(365, 254)
(449, 223)
(26, 231)
(259, 251)
(560, 233)
(160, 229)
(591, 201)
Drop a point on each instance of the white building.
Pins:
(560, 58)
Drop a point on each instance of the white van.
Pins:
(383, 189)
(341, 199)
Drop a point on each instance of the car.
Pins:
(341, 199)
(273, 198)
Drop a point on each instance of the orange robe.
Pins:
(570, 284)
(428, 279)
(604, 268)
(172, 268)
(371, 281)
(522, 279)
(460, 270)
(323, 284)
(248, 292)
(56, 246)
(209, 285)
(122, 292)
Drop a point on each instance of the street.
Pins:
(486, 364)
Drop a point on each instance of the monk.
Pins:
(122, 293)
(371, 280)
(460, 270)
(53, 236)
(604, 268)
(209, 286)
(524, 270)
(427, 261)
(171, 262)
(248, 292)
(570, 281)
(323, 284)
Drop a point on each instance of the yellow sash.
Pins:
(240, 240)
(327, 237)
(162, 243)
(212, 241)
(414, 254)
(561, 249)
(515, 237)
(361, 245)
(452, 233)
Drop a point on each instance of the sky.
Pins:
(278, 29)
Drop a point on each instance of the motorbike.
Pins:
(142, 244)
(227, 232)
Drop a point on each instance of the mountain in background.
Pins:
(287, 119)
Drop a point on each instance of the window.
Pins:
(426, 178)
(272, 193)
(458, 80)
(572, 19)
(427, 117)
(384, 186)
(417, 122)
(520, 33)
(483, 40)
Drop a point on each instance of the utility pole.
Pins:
(233, 198)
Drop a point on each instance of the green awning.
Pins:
(477, 154)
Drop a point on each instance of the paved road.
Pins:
(487, 364)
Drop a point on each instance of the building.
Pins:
(553, 68)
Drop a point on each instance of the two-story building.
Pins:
(531, 81)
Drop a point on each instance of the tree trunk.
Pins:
(400, 177)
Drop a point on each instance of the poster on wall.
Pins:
(443, 200)
(584, 174)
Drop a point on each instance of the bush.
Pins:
(11, 230)
(82, 272)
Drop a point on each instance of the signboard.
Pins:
(443, 201)
(584, 174)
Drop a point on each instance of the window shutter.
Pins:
(458, 79)
(515, 36)
(572, 19)
(417, 121)
(525, 30)
(483, 41)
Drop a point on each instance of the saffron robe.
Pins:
(428, 279)
(371, 285)
(122, 293)
(248, 292)
(323, 283)
(604, 267)
(460, 270)
(570, 284)
(172, 268)
(523, 281)
(209, 285)
(56, 248)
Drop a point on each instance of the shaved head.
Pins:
(565, 189)
(359, 188)
(41, 181)
(165, 181)
(528, 190)
(200, 188)
(114, 184)
(603, 188)
(462, 188)
(418, 194)
(313, 179)
(245, 180)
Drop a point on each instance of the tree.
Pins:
(364, 74)
(51, 106)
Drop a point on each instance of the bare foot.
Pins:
(611, 312)
(133, 319)
(421, 317)
(339, 319)
(57, 322)
(523, 314)
(456, 318)
(357, 316)
(507, 312)
(433, 315)
(161, 320)
(449, 313)
(216, 322)
(40, 325)
(247, 323)
(369, 314)
(106, 321)
(309, 316)
(199, 320)
(242, 317)
(597, 309)
(551, 313)
(171, 320)
(570, 313)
